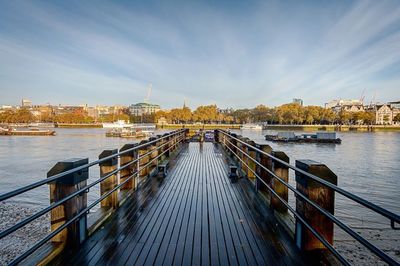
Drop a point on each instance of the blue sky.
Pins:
(234, 54)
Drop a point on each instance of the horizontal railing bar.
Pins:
(347, 229)
(76, 193)
(24, 189)
(386, 213)
(62, 227)
(297, 215)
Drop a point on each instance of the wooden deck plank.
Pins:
(195, 217)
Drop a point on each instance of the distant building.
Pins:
(345, 105)
(385, 113)
(394, 104)
(143, 109)
(26, 103)
(298, 101)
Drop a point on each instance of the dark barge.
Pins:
(28, 132)
(319, 137)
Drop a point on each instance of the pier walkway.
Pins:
(177, 200)
(195, 217)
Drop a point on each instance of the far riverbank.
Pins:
(339, 128)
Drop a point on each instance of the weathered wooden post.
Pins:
(153, 154)
(112, 181)
(265, 161)
(282, 171)
(233, 145)
(216, 136)
(131, 169)
(143, 161)
(321, 195)
(166, 147)
(250, 160)
(75, 233)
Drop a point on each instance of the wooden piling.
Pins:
(265, 161)
(143, 161)
(282, 171)
(131, 169)
(252, 165)
(321, 195)
(166, 147)
(109, 183)
(75, 233)
(153, 155)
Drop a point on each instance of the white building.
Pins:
(26, 103)
(143, 109)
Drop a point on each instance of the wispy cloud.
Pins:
(230, 55)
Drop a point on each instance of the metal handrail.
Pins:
(70, 196)
(297, 215)
(87, 209)
(76, 169)
(386, 213)
(331, 217)
(347, 229)
(84, 211)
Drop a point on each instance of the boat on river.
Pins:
(319, 137)
(118, 124)
(138, 133)
(26, 132)
(250, 127)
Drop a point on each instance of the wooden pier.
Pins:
(170, 201)
(195, 217)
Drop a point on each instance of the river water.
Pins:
(367, 164)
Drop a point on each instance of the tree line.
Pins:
(292, 113)
(285, 114)
(24, 115)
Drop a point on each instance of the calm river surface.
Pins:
(367, 164)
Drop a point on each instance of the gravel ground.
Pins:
(387, 240)
(17, 242)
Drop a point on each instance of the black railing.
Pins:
(226, 141)
(171, 141)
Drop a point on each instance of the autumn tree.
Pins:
(396, 118)
(208, 113)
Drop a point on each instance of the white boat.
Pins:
(145, 128)
(117, 124)
(251, 127)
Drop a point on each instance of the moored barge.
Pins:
(28, 132)
(319, 137)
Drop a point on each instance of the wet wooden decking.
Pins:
(194, 217)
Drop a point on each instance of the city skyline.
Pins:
(237, 55)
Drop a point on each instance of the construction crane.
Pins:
(147, 99)
(362, 96)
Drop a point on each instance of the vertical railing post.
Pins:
(265, 161)
(129, 171)
(111, 182)
(75, 233)
(282, 171)
(321, 195)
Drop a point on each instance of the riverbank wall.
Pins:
(360, 128)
